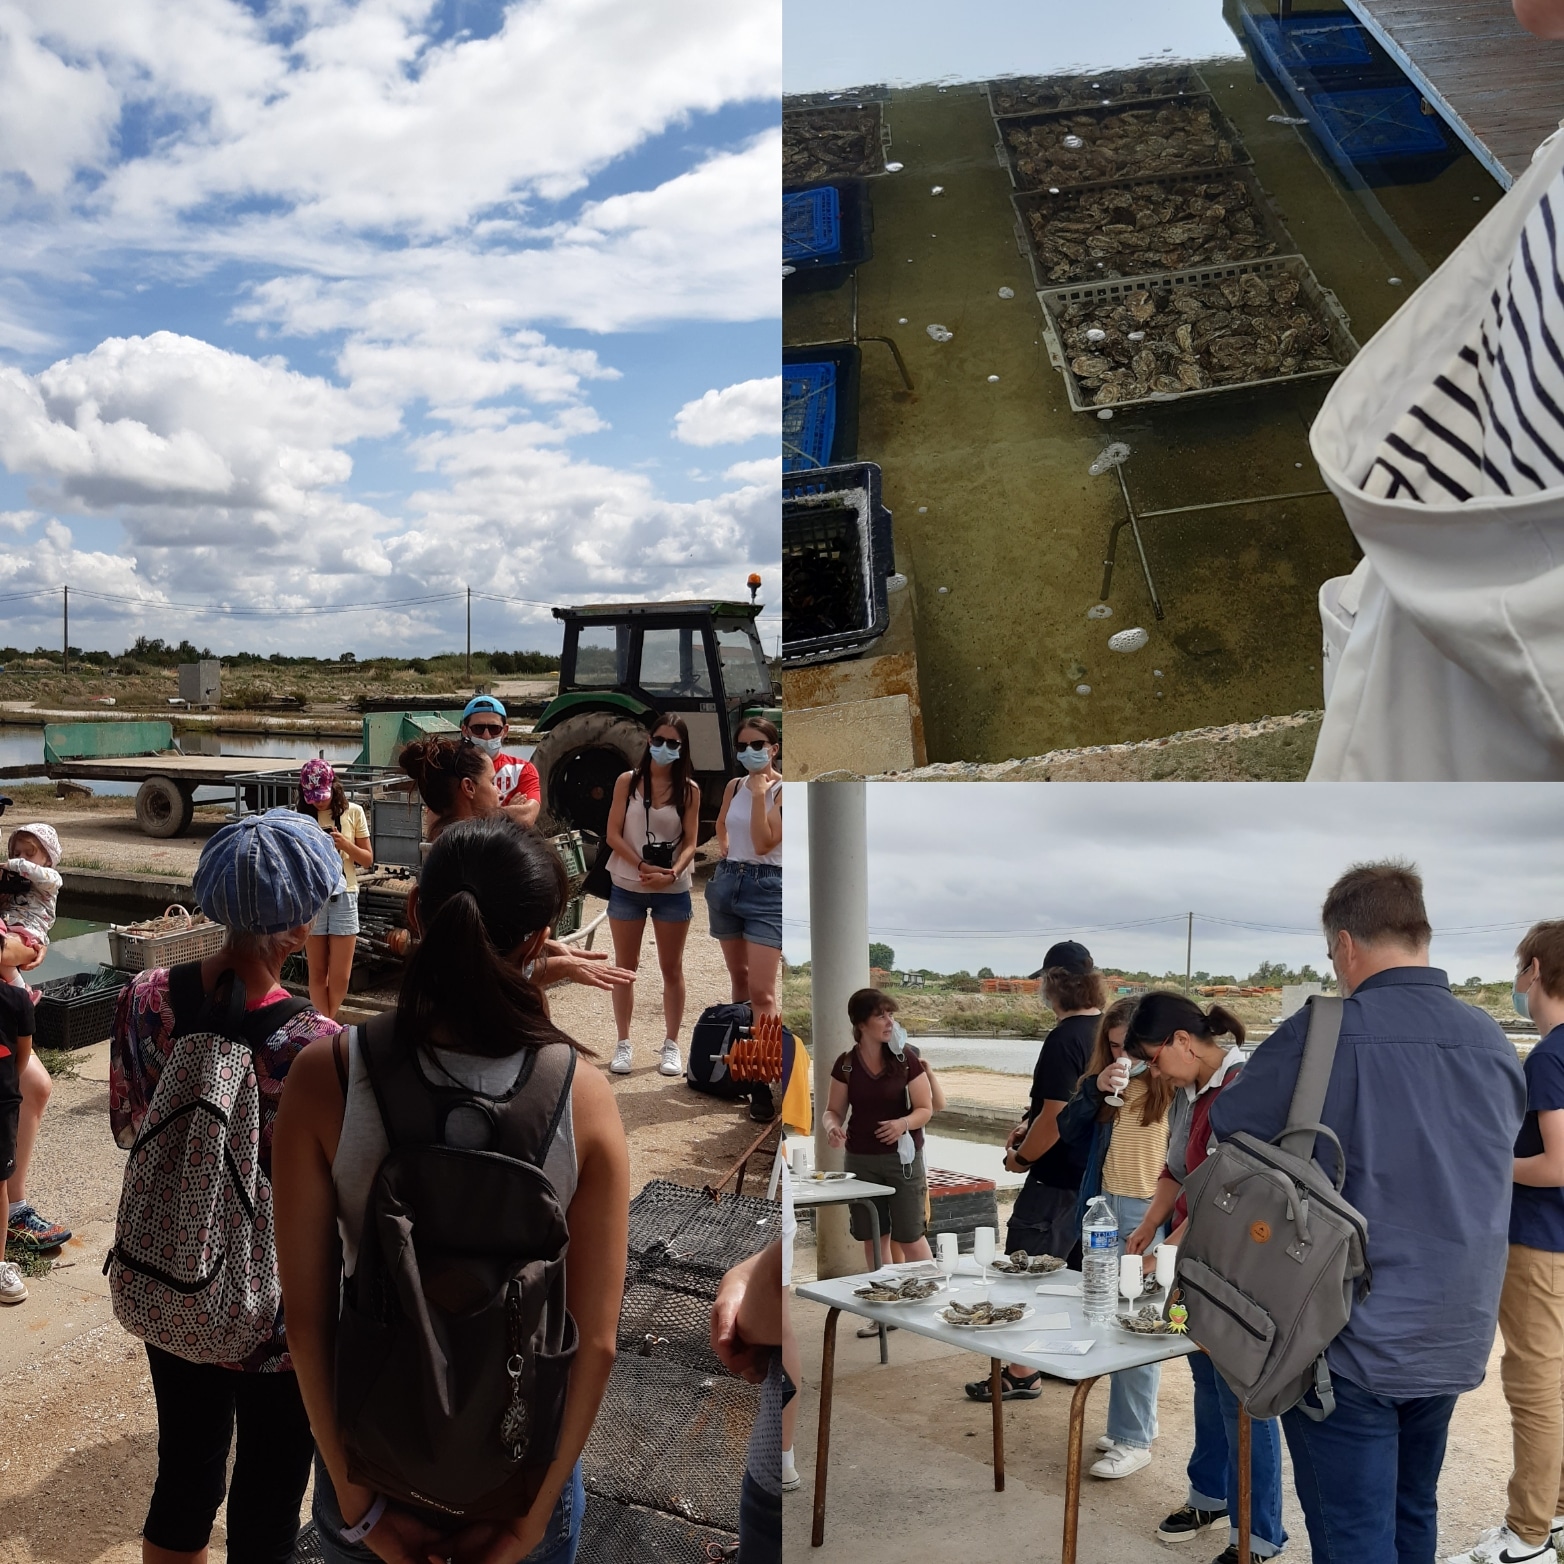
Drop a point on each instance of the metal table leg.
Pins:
(995, 1384)
(1245, 1481)
(1072, 1470)
(879, 1260)
(823, 1439)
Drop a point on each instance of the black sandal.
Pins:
(1027, 1388)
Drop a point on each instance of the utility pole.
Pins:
(67, 629)
(469, 635)
(1189, 945)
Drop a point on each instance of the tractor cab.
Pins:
(621, 666)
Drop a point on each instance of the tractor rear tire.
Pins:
(578, 763)
(163, 807)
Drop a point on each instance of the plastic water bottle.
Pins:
(1100, 1262)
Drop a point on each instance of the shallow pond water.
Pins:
(1000, 522)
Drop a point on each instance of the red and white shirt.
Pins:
(516, 779)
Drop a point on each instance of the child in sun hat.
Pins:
(29, 888)
(334, 933)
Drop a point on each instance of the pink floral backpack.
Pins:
(193, 1269)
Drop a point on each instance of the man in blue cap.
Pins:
(486, 722)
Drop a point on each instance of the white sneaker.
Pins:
(1121, 1461)
(1556, 1532)
(620, 1064)
(789, 1473)
(1500, 1545)
(671, 1064)
(1105, 1444)
(12, 1288)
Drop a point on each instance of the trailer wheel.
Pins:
(163, 807)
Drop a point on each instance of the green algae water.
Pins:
(1000, 525)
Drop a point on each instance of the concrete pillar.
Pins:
(839, 964)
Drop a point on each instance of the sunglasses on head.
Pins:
(486, 730)
(759, 746)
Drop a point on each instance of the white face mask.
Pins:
(490, 747)
(754, 760)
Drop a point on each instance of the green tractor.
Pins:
(624, 663)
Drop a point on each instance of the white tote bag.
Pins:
(1453, 669)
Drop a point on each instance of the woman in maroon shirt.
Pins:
(889, 1094)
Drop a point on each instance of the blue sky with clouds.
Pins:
(325, 302)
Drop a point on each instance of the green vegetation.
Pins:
(882, 956)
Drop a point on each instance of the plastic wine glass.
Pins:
(1116, 1098)
(947, 1255)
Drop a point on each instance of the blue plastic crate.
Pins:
(808, 415)
(1311, 43)
(1379, 124)
(811, 224)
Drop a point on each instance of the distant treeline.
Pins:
(154, 652)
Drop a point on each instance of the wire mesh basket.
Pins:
(179, 935)
(1049, 94)
(615, 1533)
(675, 1225)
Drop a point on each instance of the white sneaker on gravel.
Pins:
(1121, 1461)
(1500, 1545)
(12, 1288)
(620, 1064)
(671, 1064)
(1106, 1443)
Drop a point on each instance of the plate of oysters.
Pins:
(985, 1316)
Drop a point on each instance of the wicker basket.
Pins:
(178, 935)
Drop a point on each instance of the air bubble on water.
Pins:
(940, 333)
(1156, 673)
(1096, 334)
(1137, 336)
(1106, 102)
(1073, 142)
(1007, 293)
(1297, 464)
(1128, 640)
(943, 591)
(923, 510)
(894, 168)
(1053, 190)
(1109, 458)
(1105, 412)
(1099, 611)
(1395, 282)
(1083, 689)
(937, 190)
(787, 271)
(901, 320)
(993, 380)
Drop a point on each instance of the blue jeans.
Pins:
(1132, 1393)
(1213, 1468)
(1368, 1476)
(561, 1537)
(744, 901)
(664, 906)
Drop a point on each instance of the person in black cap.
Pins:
(1043, 1218)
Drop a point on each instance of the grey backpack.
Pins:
(454, 1343)
(1273, 1257)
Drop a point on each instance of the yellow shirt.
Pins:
(1136, 1151)
(355, 826)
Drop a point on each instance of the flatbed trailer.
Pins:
(168, 778)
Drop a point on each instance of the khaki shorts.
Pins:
(903, 1216)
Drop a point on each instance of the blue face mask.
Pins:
(898, 1042)
(1522, 1007)
(663, 755)
(752, 760)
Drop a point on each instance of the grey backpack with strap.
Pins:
(1274, 1258)
(454, 1343)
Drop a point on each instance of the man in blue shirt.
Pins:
(1531, 1308)
(1426, 1096)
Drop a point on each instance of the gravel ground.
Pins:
(78, 1466)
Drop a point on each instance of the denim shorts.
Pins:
(744, 901)
(561, 1537)
(664, 906)
(338, 916)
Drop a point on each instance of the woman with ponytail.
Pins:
(1196, 1053)
(470, 1014)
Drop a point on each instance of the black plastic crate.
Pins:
(810, 438)
(77, 1011)
(836, 553)
(808, 207)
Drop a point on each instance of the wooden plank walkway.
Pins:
(1498, 87)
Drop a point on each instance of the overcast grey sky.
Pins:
(989, 874)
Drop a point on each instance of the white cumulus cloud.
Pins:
(733, 414)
